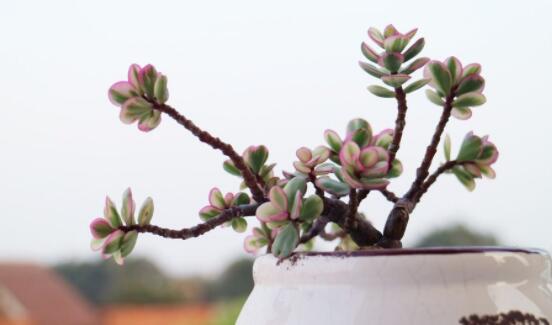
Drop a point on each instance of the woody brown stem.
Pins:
(198, 230)
(433, 177)
(216, 143)
(400, 123)
(397, 220)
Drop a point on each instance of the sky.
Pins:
(251, 72)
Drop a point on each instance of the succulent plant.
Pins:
(329, 181)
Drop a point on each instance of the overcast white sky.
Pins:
(251, 72)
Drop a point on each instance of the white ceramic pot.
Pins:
(407, 286)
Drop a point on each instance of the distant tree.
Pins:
(139, 282)
(457, 235)
(236, 281)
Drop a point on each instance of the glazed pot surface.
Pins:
(406, 286)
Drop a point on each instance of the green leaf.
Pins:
(332, 186)
(111, 214)
(312, 208)
(447, 145)
(369, 53)
(395, 43)
(371, 70)
(146, 212)
(239, 224)
(434, 97)
(470, 148)
(461, 113)
(286, 241)
(381, 91)
(113, 242)
(414, 49)
(229, 167)
(395, 80)
(256, 156)
(469, 84)
(240, 199)
(464, 177)
(440, 76)
(333, 140)
(293, 185)
(358, 123)
(396, 169)
(455, 68)
(469, 99)
(160, 90)
(128, 243)
(362, 137)
(392, 61)
(413, 86)
(127, 209)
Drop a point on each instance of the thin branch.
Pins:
(396, 223)
(400, 123)
(198, 230)
(390, 196)
(362, 194)
(216, 143)
(433, 177)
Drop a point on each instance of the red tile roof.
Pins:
(47, 299)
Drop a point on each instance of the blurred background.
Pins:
(250, 72)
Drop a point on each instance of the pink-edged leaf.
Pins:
(371, 70)
(216, 199)
(390, 30)
(440, 76)
(301, 167)
(322, 153)
(391, 61)
(118, 258)
(146, 212)
(278, 198)
(434, 97)
(395, 80)
(461, 113)
(376, 36)
(267, 212)
(160, 90)
(113, 242)
(333, 140)
(96, 244)
(383, 155)
(455, 68)
(349, 154)
(383, 139)
(250, 244)
(147, 78)
(209, 212)
(410, 34)
(295, 209)
(111, 214)
(369, 53)
(415, 65)
(304, 154)
(473, 68)
(469, 100)
(379, 170)
(120, 92)
(129, 242)
(473, 169)
(100, 228)
(150, 121)
(471, 83)
(414, 49)
(128, 207)
(133, 76)
(228, 199)
(374, 184)
(368, 157)
(487, 171)
(395, 43)
(351, 179)
(134, 109)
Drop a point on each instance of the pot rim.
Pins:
(426, 251)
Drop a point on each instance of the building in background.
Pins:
(33, 295)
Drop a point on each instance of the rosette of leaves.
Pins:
(388, 63)
(463, 84)
(475, 157)
(359, 135)
(137, 95)
(286, 211)
(255, 157)
(310, 159)
(218, 203)
(106, 233)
